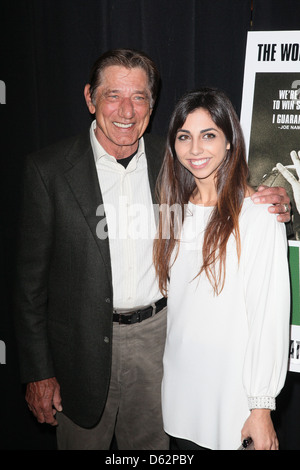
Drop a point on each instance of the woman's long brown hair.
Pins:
(176, 185)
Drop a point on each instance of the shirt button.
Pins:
(106, 339)
(107, 300)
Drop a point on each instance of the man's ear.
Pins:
(88, 99)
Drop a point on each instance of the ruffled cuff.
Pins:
(268, 403)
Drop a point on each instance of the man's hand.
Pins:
(276, 196)
(44, 400)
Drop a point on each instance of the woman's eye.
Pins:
(209, 136)
(182, 137)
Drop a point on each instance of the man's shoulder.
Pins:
(54, 153)
(154, 149)
(155, 142)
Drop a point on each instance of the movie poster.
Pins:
(270, 118)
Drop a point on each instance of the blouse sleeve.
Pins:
(267, 295)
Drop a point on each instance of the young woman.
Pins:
(222, 262)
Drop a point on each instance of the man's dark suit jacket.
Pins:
(64, 286)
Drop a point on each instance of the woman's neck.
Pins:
(205, 194)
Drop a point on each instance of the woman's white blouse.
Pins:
(226, 354)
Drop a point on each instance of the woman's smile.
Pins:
(199, 163)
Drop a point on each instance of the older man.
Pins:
(90, 319)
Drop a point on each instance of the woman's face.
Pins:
(200, 145)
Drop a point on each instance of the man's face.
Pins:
(122, 109)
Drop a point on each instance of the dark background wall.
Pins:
(47, 48)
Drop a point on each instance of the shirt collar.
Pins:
(99, 151)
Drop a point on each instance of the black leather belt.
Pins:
(137, 316)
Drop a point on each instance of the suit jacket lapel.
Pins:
(83, 181)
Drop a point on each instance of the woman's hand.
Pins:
(259, 427)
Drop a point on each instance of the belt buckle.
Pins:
(153, 309)
(119, 315)
(138, 316)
